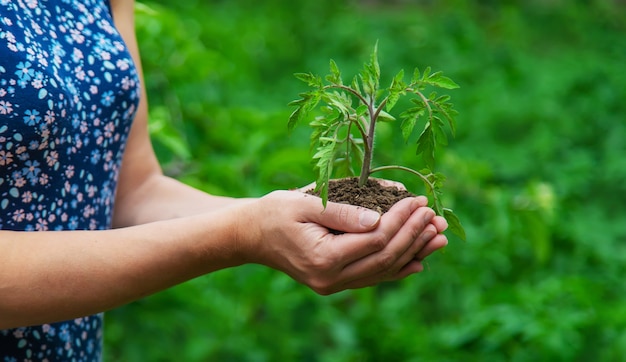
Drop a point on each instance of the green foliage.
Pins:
(535, 172)
(345, 132)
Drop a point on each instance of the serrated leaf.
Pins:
(370, 75)
(321, 186)
(357, 147)
(409, 120)
(454, 224)
(398, 80)
(439, 80)
(338, 101)
(295, 116)
(426, 146)
(309, 78)
(448, 112)
(395, 90)
(437, 206)
(368, 83)
(304, 105)
(392, 99)
(361, 110)
(426, 74)
(407, 126)
(355, 84)
(343, 167)
(416, 76)
(438, 180)
(324, 165)
(440, 135)
(385, 117)
(335, 74)
(374, 62)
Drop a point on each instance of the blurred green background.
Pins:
(537, 174)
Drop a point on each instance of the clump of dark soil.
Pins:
(372, 195)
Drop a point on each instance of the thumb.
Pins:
(347, 218)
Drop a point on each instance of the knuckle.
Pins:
(379, 241)
(385, 261)
(321, 264)
(415, 233)
(321, 286)
(343, 213)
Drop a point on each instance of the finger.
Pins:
(341, 217)
(401, 233)
(357, 246)
(355, 219)
(440, 223)
(412, 267)
(436, 243)
(405, 264)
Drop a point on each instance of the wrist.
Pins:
(246, 231)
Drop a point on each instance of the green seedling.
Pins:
(344, 131)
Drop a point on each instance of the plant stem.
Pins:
(424, 99)
(369, 148)
(424, 178)
(369, 145)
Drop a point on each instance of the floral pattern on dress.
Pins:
(69, 91)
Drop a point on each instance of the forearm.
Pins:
(51, 276)
(161, 198)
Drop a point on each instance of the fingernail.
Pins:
(430, 214)
(369, 218)
(418, 201)
(428, 235)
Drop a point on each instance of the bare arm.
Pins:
(51, 276)
(56, 275)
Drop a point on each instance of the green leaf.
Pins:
(385, 117)
(438, 180)
(355, 84)
(437, 206)
(311, 79)
(370, 75)
(396, 89)
(375, 67)
(426, 146)
(409, 119)
(304, 105)
(324, 165)
(368, 83)
(440, 135)
(439, 80)
(361, 110)
(338, 101)
(343, 167)
(454, 224)
(335, 74)
(416, 76)
(426, 74)
(357, 148)
(445, 108)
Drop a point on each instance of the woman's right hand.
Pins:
(290, 231)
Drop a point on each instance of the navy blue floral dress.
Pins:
(68, 94)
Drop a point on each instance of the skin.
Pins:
(166, 233)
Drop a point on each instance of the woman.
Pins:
(78, 170)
